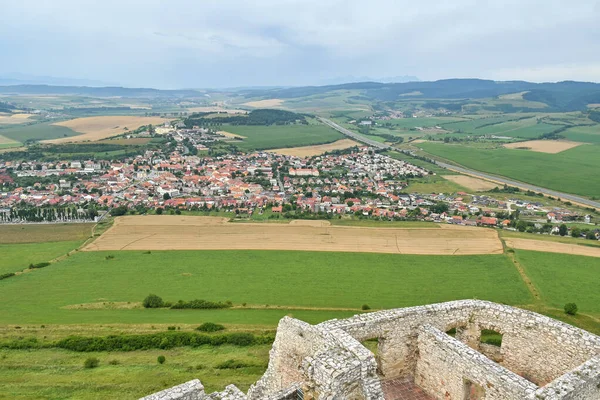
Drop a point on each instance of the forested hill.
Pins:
(97, 91)
(561, 96)
(255, 117)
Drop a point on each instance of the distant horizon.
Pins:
(250, 87)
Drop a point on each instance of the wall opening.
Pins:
(451, 332)
(473, 391)
(491, 337)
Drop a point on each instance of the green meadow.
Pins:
(570, 171)
(315, 281)
(43, 131)
(17, 257)
(280, 136)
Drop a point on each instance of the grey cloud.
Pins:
(205, 43)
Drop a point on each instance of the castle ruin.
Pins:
(425, 352)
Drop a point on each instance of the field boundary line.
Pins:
(530, 286)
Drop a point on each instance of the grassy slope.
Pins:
(586, 134)
(38, 132)
(563, 278)
(58, 374)
(38, 233)
(568, 171)
(286, 278)
(272, 137)
(17, 257)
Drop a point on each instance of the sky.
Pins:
(235, 43)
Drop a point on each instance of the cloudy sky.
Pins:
(229, 43)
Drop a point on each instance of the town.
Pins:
(359, 182)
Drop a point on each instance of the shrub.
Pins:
(210, 327)
(571, 308)
(159, 211)
(153, 301)
(200, 304)
(109, 257)
(161, 359)
(91, 362)
(171, 328)
(114, 362)
(39, 265)
(365, 307)
(7, 275)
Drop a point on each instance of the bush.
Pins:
(153, 301)
(159, 211)
(200, 304)
(7, 275)
(114, 362)
(91, 362)
(39, 265)
(161, 359)
(210, 327)
(365, 307)
(171, 328)
(571, 308)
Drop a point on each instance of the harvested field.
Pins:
(264, 103)
(14, 118)
(544, 146)
(309, 151)
(207, 233)
(552, 247)
(476, 184)
(126, 142)
(98, 128)
(230, 135)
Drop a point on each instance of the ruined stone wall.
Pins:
(582, 383)
(192, 390)
(526, 336)
(447, 368)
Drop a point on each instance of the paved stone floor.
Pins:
(403, 389)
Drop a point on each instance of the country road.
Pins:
(466, 171)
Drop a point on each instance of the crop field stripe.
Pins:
(552, 171)
(280, 136)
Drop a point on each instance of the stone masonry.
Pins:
(539, 358)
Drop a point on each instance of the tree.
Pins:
(166, 196)
(153, 301)
(350, 203)
(571, 308)
(159, 211)
(591, 235)
(563, 230)
(576, 232)
(161, 359)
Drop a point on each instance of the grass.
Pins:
(36, 132)
(563, 278)
(275, 136)
(550, 238)
(434, 184)
(316, 280)
(568, 171)
(37, 233)
(17, 257)
(586, 134)
(58, 374)
(408, 123)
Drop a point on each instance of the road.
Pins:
(563, 196)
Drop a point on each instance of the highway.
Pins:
(563, 196)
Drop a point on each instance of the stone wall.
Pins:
(526, 335)
(540, 358)
(446, 368)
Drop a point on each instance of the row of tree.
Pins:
(47, 214)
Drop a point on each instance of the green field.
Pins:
(59, 374)
(280, 136)
(429, 122)
(41, 131)
(17, 257)
(282, 278)
(569, 171)
(586, 134)
(469, 126)
(563, 278)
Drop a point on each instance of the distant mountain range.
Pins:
(353, 79)
(16, 78)
(560, 96)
